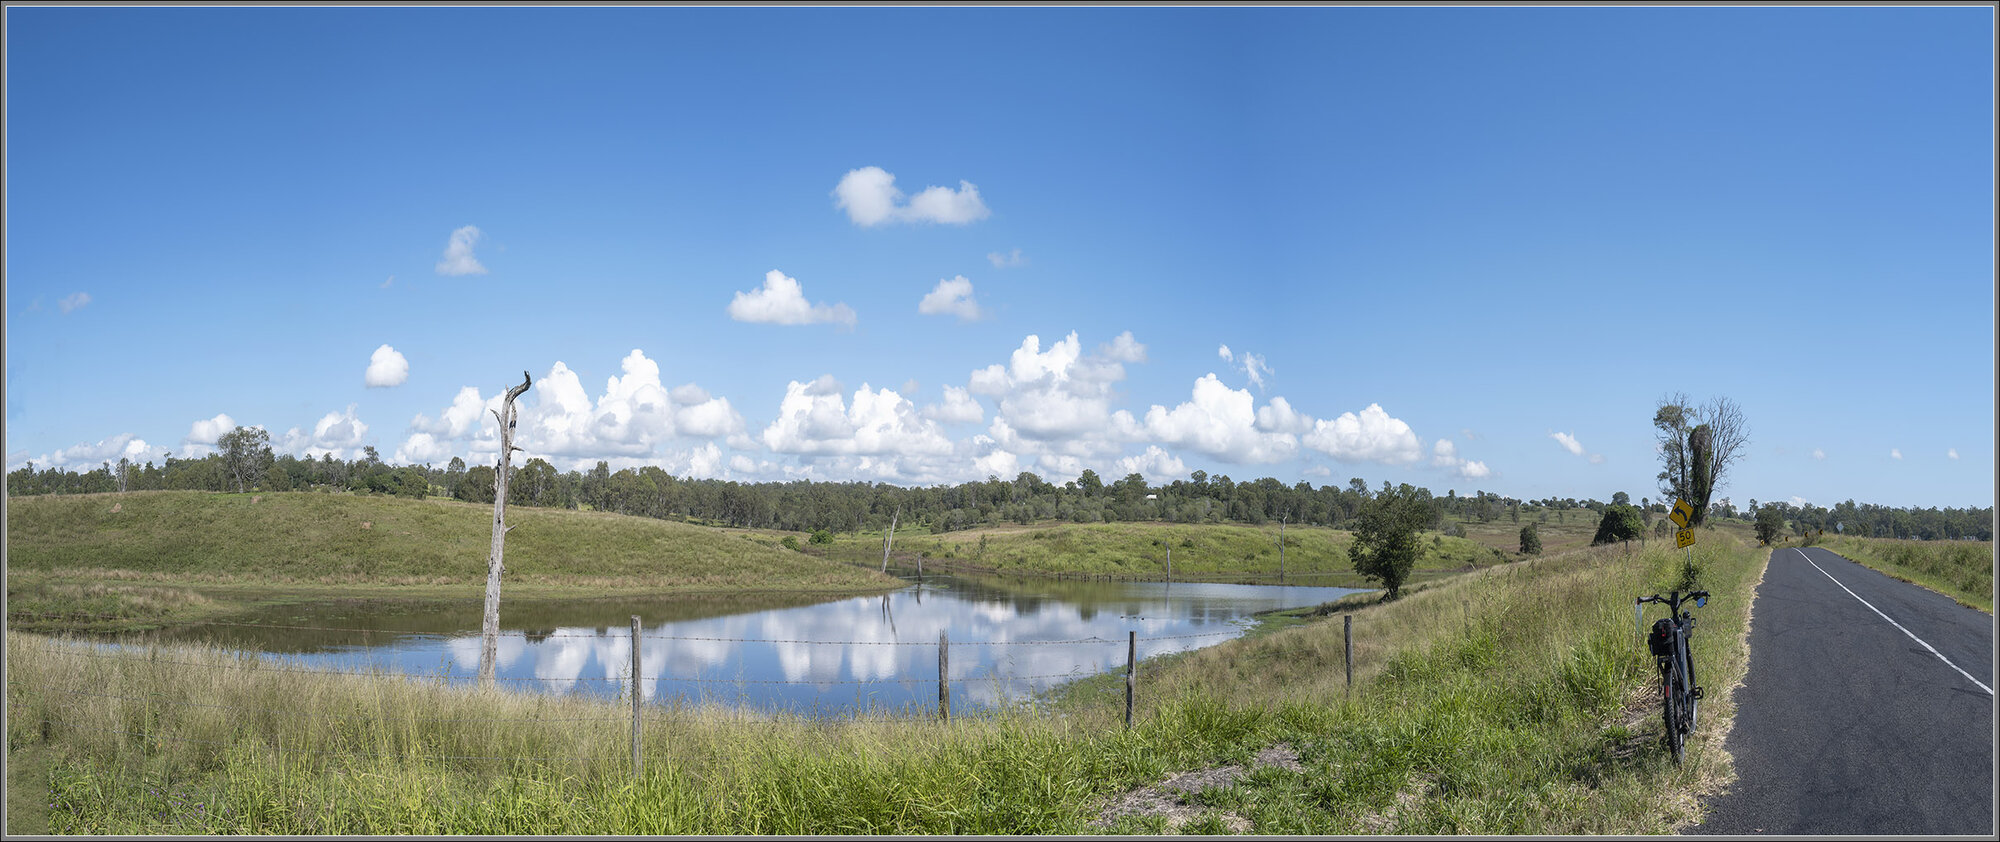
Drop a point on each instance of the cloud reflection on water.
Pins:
(845, 654)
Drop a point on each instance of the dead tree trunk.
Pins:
(889, 538)
(489, 628)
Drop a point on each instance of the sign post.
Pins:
(1684, 538)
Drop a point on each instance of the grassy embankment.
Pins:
(121, 561)
(1514, 699)
(1962, 570)
(1214, 552)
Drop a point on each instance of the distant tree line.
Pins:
(244, 462)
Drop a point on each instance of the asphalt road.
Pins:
(1847, 725)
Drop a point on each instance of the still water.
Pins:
(1009, 640)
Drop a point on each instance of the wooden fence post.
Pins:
(1131, 672)
(635, 697)
(944, 676)
(1348, 626)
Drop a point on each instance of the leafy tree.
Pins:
(477, 487)
(1697, 446)
(1620, 523)
(454, 473)
(1531, 540)
(246, 455)
(1386, 545)
(1620, 498)
(1770, 523)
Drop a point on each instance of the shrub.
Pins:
(821, 536)
(1621, 522)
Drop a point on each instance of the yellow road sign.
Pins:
(1684, 538)
(1682, 513)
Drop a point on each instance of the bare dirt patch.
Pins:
(1170, 798)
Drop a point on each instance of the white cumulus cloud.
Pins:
(1951, 453)
(629, 423)
(203, 434)
(458, 258)
(958, 407)
(386, 367)
(1059, 397)
(1819, 455)
(1124, 349)
(1445, 455)
(782, 301)
(1223, 423)
(814, 419)
(953, 296)
(1371, 436)
(1895, 453)
(73, 302)
(336, 433)
(84, 456)
(1157, 466)
(1003, 261)
(870, 197)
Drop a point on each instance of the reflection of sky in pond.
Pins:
(1009, 640)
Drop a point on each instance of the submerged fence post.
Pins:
(1131, 672)
(635, 697)
(944, 676)
(1347, 625)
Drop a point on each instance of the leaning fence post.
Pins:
(635, 697)
(1131, 671)
(944, 676)
(1348, 626)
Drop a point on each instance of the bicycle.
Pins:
(1680, 696)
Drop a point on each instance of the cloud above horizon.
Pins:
(386, 368)
(870, 197)
(952, 296)
(458, 259)
(782, 301)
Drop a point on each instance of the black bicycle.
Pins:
(1679, 694)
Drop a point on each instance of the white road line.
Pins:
(1899, 626)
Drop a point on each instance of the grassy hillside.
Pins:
(1517, 699)
(1207, 552)
(154, 552)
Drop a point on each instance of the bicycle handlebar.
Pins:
(1674, 599)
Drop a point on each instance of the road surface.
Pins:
(1867, 708)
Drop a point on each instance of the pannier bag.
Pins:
(1661, 641)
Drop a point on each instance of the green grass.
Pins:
(1139, 550)
(1962, 570)
(1514, 699)
(165, 556)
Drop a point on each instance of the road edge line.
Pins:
(1899, 626)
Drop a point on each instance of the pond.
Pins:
(1008, 640)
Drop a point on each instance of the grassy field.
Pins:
(1962, 570)
(170, 556)
(1513, 699)
(1139, 550)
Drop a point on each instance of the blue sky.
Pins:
(1465, 248)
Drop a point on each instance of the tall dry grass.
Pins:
(1511, 700)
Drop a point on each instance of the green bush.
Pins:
(1621, 523)
(821, 536)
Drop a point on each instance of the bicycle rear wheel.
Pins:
(1674, 688)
